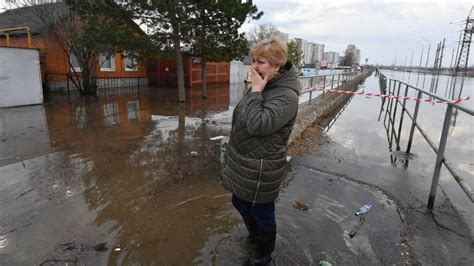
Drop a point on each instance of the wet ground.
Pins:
(357, 146)
(130, 178)
(371, 138)
(118, 170)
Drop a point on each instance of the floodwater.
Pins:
(363, 126)
(130, 177)
(132, 168)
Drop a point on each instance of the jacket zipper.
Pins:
(258, 181)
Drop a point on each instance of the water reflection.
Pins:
(361, 136)
(23, 133)
(141, 164)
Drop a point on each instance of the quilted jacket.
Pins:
(254, 164)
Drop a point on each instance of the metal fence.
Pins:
(320, 83)
(393, 88)
(67, 83)
(325, 82)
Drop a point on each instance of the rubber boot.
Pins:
(251, 225)
(265, 247)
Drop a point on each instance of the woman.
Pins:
(255, 158)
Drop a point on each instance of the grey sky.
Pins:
(379, 28)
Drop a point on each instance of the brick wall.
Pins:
(54, 61)
(163, 72)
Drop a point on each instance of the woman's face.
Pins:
(264, 67)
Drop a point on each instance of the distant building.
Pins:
(331, 57)
(318, 53)
(307, 48)
(308, 53)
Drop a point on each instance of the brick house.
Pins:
(164, 72)
(118, 69)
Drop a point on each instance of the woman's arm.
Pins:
(267, 117)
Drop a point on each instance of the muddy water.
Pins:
(129, 176)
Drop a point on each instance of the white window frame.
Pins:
(112, 63)
(125, 56)
(74, 68)
(111, 113)
(133, 108)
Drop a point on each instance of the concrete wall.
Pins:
(323, 105)
(20, 77)
(236, 72)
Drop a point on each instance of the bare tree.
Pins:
(83, 31)
(261, 32)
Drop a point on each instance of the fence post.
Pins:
(401, 118)
(332, 82)
(413, 124)
(440, 156)
(395, 111)
(387, 111)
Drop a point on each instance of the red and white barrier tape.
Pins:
(370, 94)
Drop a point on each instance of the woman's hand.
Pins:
(258, 83)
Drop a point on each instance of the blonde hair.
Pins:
(274, 50)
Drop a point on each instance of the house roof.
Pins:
(31, 16)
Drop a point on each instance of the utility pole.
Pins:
(427, 57)
(421, 57)
(465, 45)
(405, 65)
(435, 64)
(441, 56)
(451, 63)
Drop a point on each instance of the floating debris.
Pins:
(364, 210)
(217, 138)
(194, 153)
(101, 247)
(300, 205)
(324, 263)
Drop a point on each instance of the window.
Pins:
(107, 62)
(111, 113)
(133, 110)
(130, 61)
(74, 62)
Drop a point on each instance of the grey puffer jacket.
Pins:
(262, 122)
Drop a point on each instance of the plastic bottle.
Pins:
(364, 210)
(324, 263)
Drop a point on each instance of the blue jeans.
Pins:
(262, 213)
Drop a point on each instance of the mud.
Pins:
(130, 177)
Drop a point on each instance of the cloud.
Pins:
(377, 27)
